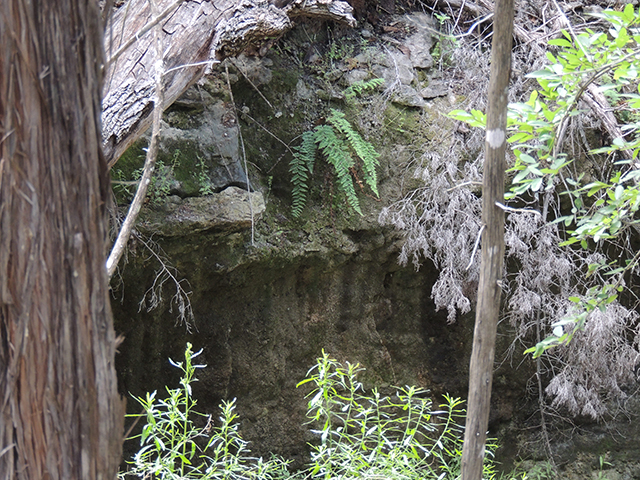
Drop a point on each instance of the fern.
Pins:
(362, 148)
(357, 88)
(338, 141)
(300, 167)
(337, 155)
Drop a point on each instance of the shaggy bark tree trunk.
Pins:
(196, 33)
(489, 288)
(60, 414)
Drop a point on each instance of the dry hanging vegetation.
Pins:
(594, 373)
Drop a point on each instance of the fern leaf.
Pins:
(308, 149)
(300, 166)
(334, 150)
(363, 149)
(361, 86)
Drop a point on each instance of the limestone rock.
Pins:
(229, 210)
(394, 67)
(421, 42)
(214, 141)
(434, 90)
(408, 96)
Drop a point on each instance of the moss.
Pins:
(185, 159)
(132, 158)
(127, 169)
(285, 79)
(184, 118)
(180, 168)
(401, 123)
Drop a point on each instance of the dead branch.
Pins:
(150, 160)
(194, 35)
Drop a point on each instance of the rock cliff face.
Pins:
(263, 311)
(269, 291)
(263, 319)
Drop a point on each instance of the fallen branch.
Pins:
(150, 160)
(194, 36)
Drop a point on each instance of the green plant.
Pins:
(172, 447)
(602, 464)
(601, 211)
(377, 436)
(441, 17)
(369, 436)
(338, 143)
(206, 188)
(339, 51)
(358, 88)
(542, 471)
(125, 185)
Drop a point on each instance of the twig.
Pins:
(181, 297)
(541, 403)
(463, 184)
(150, 160)
(516, 210)
(268, 131)
(253, 85)
(475, 248)
(133, 425)
(196, 64)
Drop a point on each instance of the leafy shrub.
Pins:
(376, 436)
(569, 251)
(172, 447)
(368, 436)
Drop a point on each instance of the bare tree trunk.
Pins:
(489, 289)
(60, 414)
(195, 34)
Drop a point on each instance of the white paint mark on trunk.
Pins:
(495, 138)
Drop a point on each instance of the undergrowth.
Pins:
(371, 435)
(360, 434)
(571, 214)
(173, 447)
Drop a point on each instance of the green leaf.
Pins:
(527, 159)
(520, 176)
(520, 137)
(560, 42)
(542, 74)
(536, 184)
(476, 118)
(619, 192)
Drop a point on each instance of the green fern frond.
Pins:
(308, 149)
(361, 147)
(338, 156)
(300, 167)
(337, 140)
(357, 88)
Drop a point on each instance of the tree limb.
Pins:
(152, 152)
(195, 35)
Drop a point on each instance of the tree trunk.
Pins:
(195, 35)
(489, 288)
(60, 414)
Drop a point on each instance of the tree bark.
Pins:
(196, 34)
(489, 289)
(60, 414)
